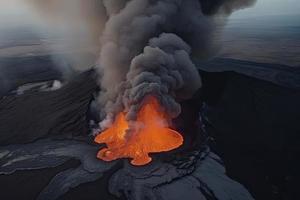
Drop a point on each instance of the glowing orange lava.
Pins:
(151, 135)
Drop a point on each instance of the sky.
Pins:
(13, 10)
(270, 7)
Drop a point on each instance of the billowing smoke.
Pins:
(146, 49)
(211, 7)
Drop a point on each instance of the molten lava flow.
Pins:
(151, 135)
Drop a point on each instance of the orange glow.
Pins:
(150, 135)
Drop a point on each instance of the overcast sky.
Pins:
(271, 7)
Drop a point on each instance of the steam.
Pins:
(69, 29)
(146, 49)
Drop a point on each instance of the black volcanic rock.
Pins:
(198, 174)
(254, 123)
(27, 117)
(256, 127)
(52, 167)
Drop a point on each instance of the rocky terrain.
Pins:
(249, 119)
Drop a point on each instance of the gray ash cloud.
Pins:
(211, 7)
(146, 49)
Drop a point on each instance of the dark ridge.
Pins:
(256, 127)
(27, 117)
(279, 74)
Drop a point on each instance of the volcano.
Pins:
(69, 182)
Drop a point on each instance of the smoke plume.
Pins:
(211, 7)
(146, 46)
(146, 49)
